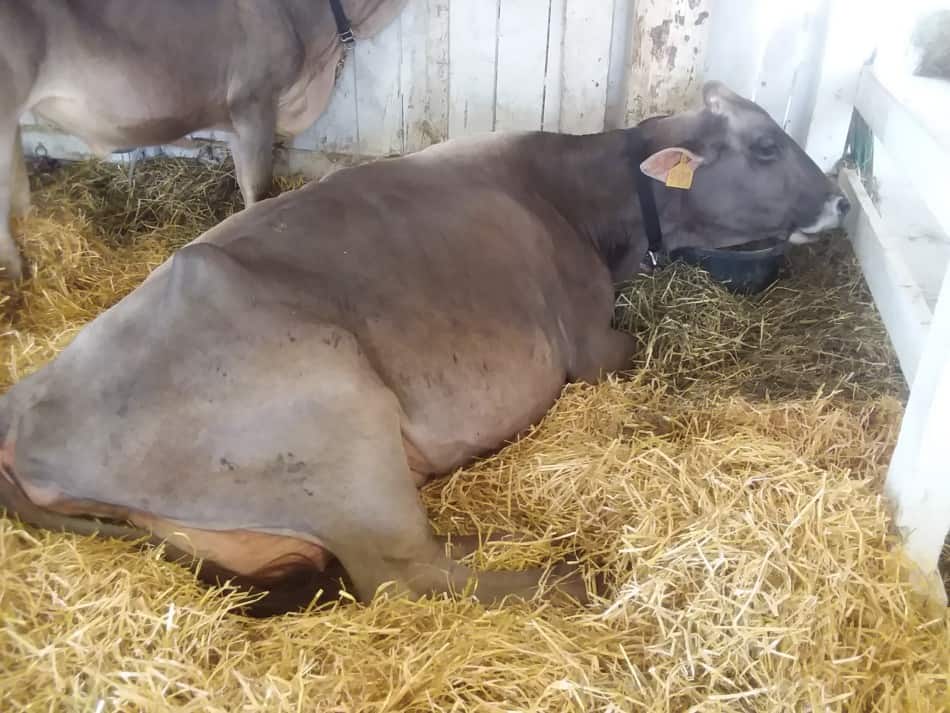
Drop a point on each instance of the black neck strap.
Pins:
(343, 29)
(651, 217)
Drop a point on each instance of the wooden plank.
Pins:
(588, 28)
(737, 64)
(850, 39)
(554, 72)
(784, 53)
(804, 88)
(775, 63)
(379, 102)
(621, 54)
(670, 41)
(472, 53)
(917, 480)
(425, 72)
(899, 299)
(925, 247)
(336, 131)
(521, 60)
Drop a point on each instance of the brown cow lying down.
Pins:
(272, 396)
(125, 73)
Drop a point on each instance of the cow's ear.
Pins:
(659, 165)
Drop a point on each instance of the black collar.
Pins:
(343, 29)
(648, 211)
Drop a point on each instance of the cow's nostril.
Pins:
(843, 206)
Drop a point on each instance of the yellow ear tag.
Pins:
(681, 175)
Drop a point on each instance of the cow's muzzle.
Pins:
(843, 206)
(835, 209)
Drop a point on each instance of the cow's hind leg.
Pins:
(272, 595)
(254, 125)
(294, 592)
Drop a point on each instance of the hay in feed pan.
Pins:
(728, 488)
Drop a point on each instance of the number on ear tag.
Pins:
(681, 175)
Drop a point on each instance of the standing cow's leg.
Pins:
(254, 125)
(10, 264)
(20, 203)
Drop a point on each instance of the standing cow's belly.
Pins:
(108, 117)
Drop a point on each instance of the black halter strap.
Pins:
(343, 29)
(651, 217)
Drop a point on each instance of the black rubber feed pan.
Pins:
(744, 270)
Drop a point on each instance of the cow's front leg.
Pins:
(372, 519)
(254, 123)
(602, 353)
(424, 569)
(461, 546)
(11, 153)
(397, 546)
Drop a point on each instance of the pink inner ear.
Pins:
(659, 165)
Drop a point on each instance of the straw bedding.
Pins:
(728, 488)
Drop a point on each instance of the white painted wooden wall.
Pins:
(448, 68)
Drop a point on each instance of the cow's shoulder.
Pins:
(203, 274)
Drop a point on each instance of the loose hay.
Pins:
(814, 329)
(744, 538)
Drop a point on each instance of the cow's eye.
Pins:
(765, 150)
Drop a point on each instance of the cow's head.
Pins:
(749, 180)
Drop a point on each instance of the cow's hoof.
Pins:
(567, 580)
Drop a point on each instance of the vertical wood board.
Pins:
(917, 480)
(336, 131)
(473, 28)
(621, 58)
(520, 65)
(554, 74)
(850, 39)
(379, 103)
(425, 73)
(779, 64)
(670, 39)
(588, 30)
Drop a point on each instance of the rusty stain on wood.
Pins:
(660, 35)
(669, 49)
